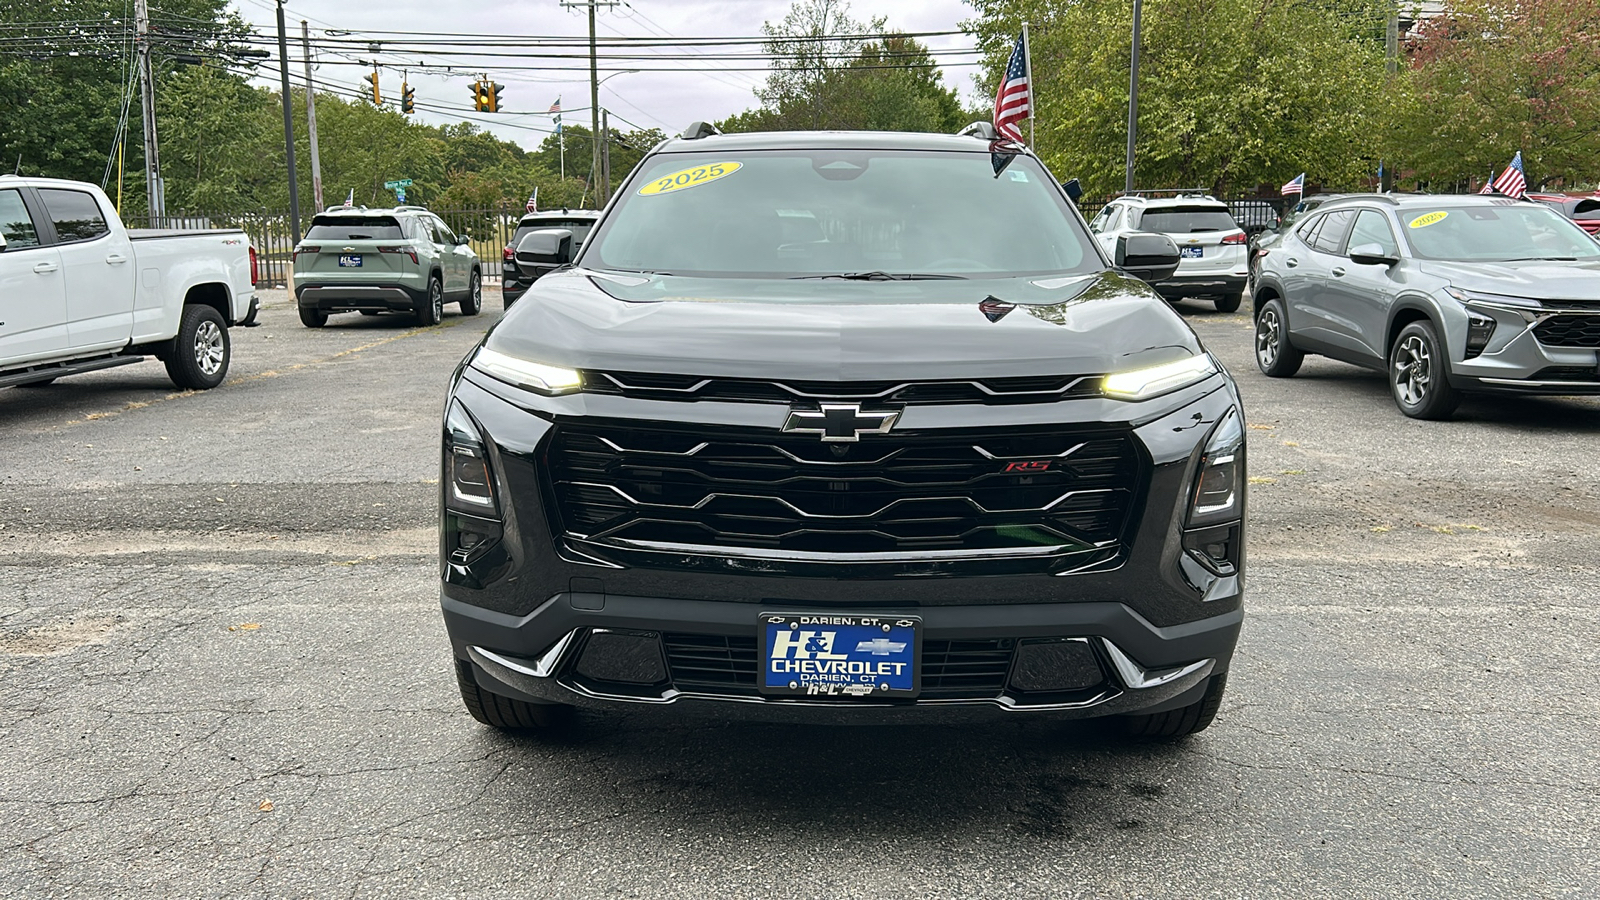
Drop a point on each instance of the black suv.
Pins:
(514, 281)
(844, 426)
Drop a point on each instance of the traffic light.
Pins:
(480, 97)
(492, 94)
(408, 97)
(372, 82)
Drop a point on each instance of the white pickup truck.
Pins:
(78, 292)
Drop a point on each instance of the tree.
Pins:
(1492, 77)
(1232, 93)
(827, 74)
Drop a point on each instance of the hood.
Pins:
(1534, 280)
(836, 330)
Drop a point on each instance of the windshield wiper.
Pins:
(1542, 259)
(887, 276)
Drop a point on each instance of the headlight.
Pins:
(1218, 484)
(467, 465)
(551, 380)
(1142, 384)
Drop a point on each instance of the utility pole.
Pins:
(605, 158)
(1133, 94)
(594, 82)
(311, 118)
(154, 188)
(1391, 64)
(288, 126)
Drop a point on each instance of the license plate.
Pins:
(842, 657)
(1191, 252)
(350, 262)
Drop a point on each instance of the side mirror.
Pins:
(1073, 188)
(462, 240)
(1147, 256)
(1372, 255)
(549, 248)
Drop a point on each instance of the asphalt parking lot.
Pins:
(225, 673)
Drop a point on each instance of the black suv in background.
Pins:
(513, 280)
(794, 436)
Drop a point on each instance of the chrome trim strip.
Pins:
(870, 515)
(1062, 455)
(841, 395)
(1138, 677)
(543, 667)
(620, 449)
(853, 558)
(1522, 382)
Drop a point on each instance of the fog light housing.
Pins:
(1479, 330)
(1056, 666)
(622, 657)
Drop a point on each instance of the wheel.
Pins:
(503, 712)
(312, 318)
(1419, 376)
(1275, 356)
(1183, 721)
(199, 356)
(431, 310)
(473, 302)
(1229, 302)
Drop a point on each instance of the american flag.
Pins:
(533, 201)
(1295, 185)
(1014, 101)
(1513, 182)
(1488, 186)
(556, 106)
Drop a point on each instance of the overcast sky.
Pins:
(666, 100)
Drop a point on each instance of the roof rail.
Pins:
(983, 130)
(698, 130)
(1194, 191)
(411, 208)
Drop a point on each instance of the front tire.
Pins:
(504, 713)
(201, 351)
(1181, 722)
(472, 304)
(1419, 375)
(1275, 356)
(1229, 302)
(431, 310)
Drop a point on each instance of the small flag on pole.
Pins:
(556, 106)
(533, 201)
(1488, 186)
(1513, 182)
(1295, 185)
(1014, 101)
(351, 200)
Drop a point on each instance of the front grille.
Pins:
(726, 666)
(1569, 331)
(991, 391)
(789, 496)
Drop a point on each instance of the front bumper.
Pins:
(1516, 361)
(1138, 667)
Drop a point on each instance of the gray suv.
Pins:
(372, 261)
(1443, 293)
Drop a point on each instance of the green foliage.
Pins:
(1497, 76)
(846, 82)
(1232, 93)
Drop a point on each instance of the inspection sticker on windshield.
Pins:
(690, 177)
(839, 657)
(1429, 219)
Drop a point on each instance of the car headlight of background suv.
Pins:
(551, 381)
(1142, 384)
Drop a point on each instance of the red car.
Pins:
(1583, 209)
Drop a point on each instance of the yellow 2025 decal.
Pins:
(1429, 219)
(690, 177)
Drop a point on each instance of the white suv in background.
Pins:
(1213, 248)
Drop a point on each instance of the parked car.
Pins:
(793, 437)
(1254, 216)
(1215, 261)
(78, 292)
(404, 259)
(513, 281)
(1444, 294)
(1583, 209)
(1260, 243)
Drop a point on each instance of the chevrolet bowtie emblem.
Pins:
(839, 422)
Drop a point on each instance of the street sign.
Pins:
(400, 195)
(402, 183)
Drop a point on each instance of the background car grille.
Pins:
(793, 494)
(951, 670)
(992, 391)
(1569, 331)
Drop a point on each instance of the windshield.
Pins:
(1495, 234)
(819, 213)
(1180, 220)
(352, 228)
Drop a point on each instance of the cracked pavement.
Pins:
(225, 674)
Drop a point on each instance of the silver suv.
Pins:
(1213, 257)
(1443, 293)
(403, 259)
